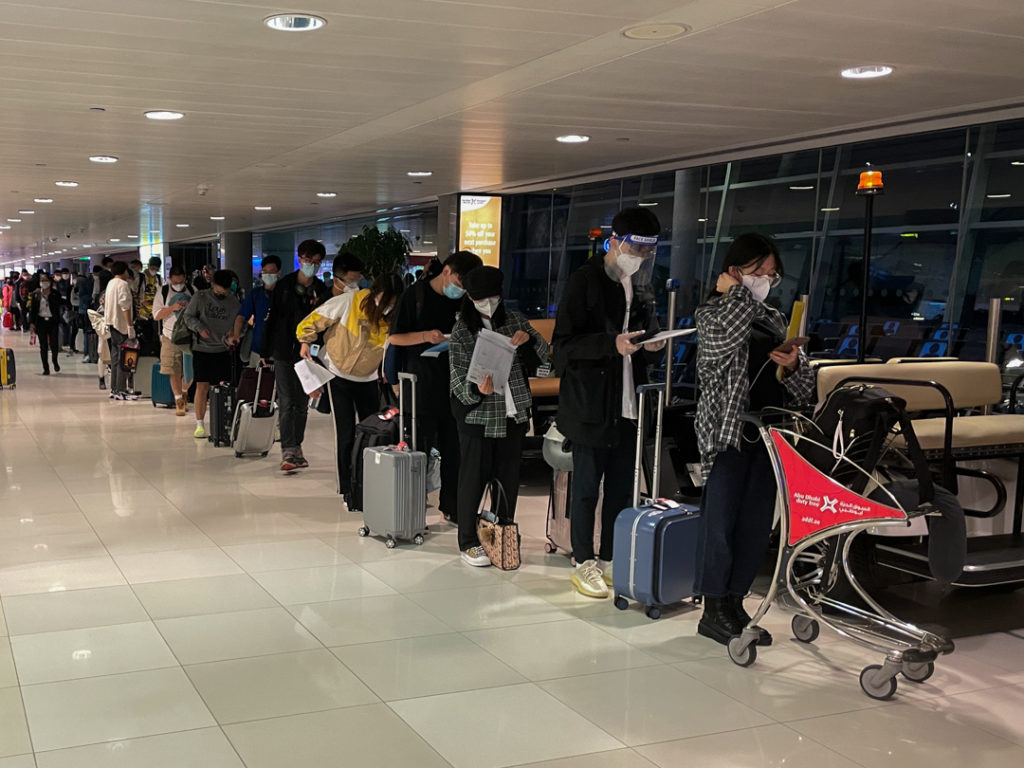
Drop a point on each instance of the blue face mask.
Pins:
(309, 270)
(452, 291)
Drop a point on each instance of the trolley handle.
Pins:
(641, 402)
(410, 379)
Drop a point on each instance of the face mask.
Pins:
(56, 278)
(219, 296)
(758, 285)
(177, 287)
(44, 286)
(628, 264)
(452, 291)
(152, 271)
(487, 307)
(268, 280)
(308, 269)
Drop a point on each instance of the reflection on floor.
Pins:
(166, 604)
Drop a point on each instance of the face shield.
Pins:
(636, 257)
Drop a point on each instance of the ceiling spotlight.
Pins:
(66, 183)
(181, 226)
(103, 159)
(1000, 196)
(114, 240)
(26, 213)
(5, 226)
(87, 245)
(294, 22)
(420, 174)
(262, 208)
(216, 218)
(655, 31)
(326, 194)
(42, 200)
(572, 138)
(829, 210)
(646, 205)
(866, 73)
(133, 237)
(801, 187)
(1017, 162)
(164, 114)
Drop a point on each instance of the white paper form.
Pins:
(492, 354)
(664, 335)
(311, 375)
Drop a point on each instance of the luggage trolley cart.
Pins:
(817, 511)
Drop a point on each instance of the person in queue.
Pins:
(354, 325)
(347, 273)
(44, 320)
(737, 361)
(491, 424)
(168, 304)
(256, 307)
(424, 316)
(606, 306)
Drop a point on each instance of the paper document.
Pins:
(311, 375)
(492, 354)
(437, 350)
(663, 335)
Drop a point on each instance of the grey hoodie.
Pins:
(217, 315)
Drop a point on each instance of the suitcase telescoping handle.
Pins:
(409, 378)
(641, 404)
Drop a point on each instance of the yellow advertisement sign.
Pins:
(480, 227)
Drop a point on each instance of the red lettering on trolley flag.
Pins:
(817, 502)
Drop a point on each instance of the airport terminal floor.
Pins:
(166, 604)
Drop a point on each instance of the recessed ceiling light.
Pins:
(87, 245)
(216, 218)
(294, 22)
(829, 210)
(42, 200)
(801, 187)
(572, 138)
(5, 226)
(1001, 196)
(646, 205)
(164, 114)
(1017, 162)
(866, 73)
(701, 221)
(181, 226)
(133, 237)
(655, 31)
(420, 174)
(26, 213)
(326, 194)
(103, 159)
(114, 240)
(262, 207)
(66, 183)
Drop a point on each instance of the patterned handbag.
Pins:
(499, 536)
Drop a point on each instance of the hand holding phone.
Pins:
(794, 341)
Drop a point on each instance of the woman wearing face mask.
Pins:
(354, 327)
(44, 320)
(737, 362)
(491, 424)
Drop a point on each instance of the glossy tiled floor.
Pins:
(167, 605)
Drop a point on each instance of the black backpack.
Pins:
(379, 429)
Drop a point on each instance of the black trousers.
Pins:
(485, 459)
(589, 465)
(437, 429)
(351, 401)
(293, 403)
(48, 332)
(736, 521)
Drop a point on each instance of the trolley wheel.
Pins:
(743, 653)
(238, 454)
(390, 543)
(621, 603)
(883, 692)
(918, 672)
(363, 531)
(265, 454)
(417, 539)
(653, 612)
(549, 547)
(804, 629)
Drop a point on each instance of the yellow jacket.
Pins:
(353, 347)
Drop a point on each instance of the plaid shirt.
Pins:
(489, 410)
(723, 338)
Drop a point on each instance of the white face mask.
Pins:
(178, 287)
(44, 286)
(487, 307)
(628, 263)
(758, 285)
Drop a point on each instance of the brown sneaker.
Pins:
(180, 406)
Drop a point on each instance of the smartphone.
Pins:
(314, 350)
(788, 344)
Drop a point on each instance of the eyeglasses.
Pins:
(774, 278)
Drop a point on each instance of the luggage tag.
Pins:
(664, 504)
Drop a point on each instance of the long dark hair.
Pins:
(474, 320)
(750, 249)
(389, 287)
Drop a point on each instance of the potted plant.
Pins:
(382, 253)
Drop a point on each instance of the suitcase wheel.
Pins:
(549, 547)
(417, 539)
(238, 454)
(620, 602)
(265, 454)
(390, 543)
(653, 612)
(363, 531)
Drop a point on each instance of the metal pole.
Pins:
(672, 287)
(806, 299)
(992, 344)
(862, 330)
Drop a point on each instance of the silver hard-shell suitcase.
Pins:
(254, 424)
(395, 484)
(559, 528)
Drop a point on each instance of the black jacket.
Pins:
(36, 300)
(589, 318)
(290, 302)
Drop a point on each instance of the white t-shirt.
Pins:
(116, 301)
(44, 306)
(173, 297)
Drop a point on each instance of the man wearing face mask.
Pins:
(168, 304)
(424, 316)
(600, 314)
(210, 315)
(44, 320)
(348, 273)
(738, 356)
(294, 296)
(256, 307)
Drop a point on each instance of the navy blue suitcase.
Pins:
(655, 552)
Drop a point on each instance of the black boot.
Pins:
(718, 621)
(735, 603)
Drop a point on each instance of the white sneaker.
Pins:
(476, 556)
(588, 581)
(606, 570)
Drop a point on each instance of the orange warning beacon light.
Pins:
(870, 183)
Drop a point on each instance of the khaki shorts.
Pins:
(170, 358)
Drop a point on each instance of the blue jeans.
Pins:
(736, 521)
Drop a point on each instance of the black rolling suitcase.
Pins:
(376, 430)
(222, 409)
